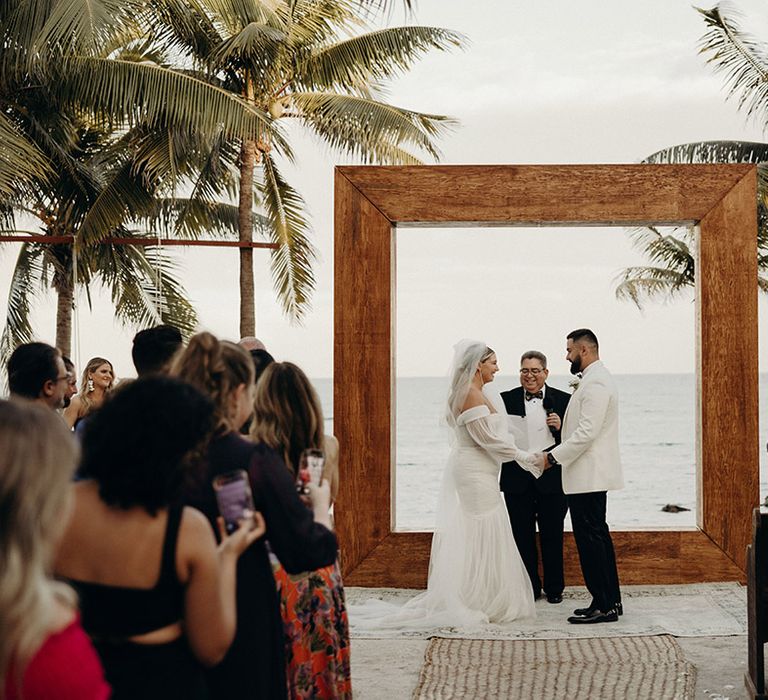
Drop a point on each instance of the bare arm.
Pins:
(72, 412)
(210, 574)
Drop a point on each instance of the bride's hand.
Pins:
(539, 461)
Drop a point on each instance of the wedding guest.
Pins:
(261, 360)
(157, 595)
(250, 343)
(44, 652)
(71, 380)
(154, 349)
(254, 667)
(589, 455)
(36, 372)
(532, 501)
(95, 384)
(288, 417)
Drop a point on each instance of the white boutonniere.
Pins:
(574, 383)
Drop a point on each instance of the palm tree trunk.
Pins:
(245, 228)
(64, 308)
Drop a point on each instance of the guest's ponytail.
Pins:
(217, 368)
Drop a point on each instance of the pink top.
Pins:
(65, 667)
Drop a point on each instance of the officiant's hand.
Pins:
(553, 421)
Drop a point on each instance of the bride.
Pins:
(476, 574)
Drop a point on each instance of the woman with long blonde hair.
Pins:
(288, 417)
(301, 537)
(97, 381)
(43, 648)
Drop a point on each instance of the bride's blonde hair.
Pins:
(36, 466)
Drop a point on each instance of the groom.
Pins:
(589, 455)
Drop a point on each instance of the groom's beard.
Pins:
(576, 366)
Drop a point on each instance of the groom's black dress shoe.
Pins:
(595, 617)
(583, 612)
(554, 598)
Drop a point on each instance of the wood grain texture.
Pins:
(546, 194)
(363, 406)
(727, 334)
(661, 557)
(370, 201)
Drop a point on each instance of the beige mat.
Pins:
(616, 667)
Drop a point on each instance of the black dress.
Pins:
(254, 666)
(113, 614)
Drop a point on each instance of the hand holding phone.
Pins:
(234, 498)
(311, 465)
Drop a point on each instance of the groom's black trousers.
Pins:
(593, 541)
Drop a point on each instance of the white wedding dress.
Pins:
(476, 575)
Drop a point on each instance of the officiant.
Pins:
(536, 412)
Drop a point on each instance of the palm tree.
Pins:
(745, 63)
(66, 92)
(140, 280)
(305, 61)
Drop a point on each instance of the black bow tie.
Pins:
(534, 395)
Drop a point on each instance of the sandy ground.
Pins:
(388, 669)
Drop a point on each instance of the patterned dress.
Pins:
(316, 633)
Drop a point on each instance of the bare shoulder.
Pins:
(72, 412)
(474, 398)
(331, 446)
(195, 541)
(194, 524)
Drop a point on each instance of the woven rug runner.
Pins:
(594, 669)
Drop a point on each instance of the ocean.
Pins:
(657, 434)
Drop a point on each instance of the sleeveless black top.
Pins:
(117, 612)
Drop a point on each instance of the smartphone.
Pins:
(311, 465)
(233, 496)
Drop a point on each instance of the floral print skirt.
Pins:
(316, 633)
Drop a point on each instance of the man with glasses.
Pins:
(540, 410)
(71, 380)
(36, 372)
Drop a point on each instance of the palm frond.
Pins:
(236, 14)
(144, 288)
(21, 161)
(183, 27)
(292, 262)
(25, 284)
(360, 60)
(154, 96)
(638, 284)
(84, 26)
(718, 152)
(193, 218)
(256, 47)
(367, 129)
(740, 58)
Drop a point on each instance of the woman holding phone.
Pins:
(157, 595)
(254, 666)
(289, 418)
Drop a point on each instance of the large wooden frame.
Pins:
(721, 199)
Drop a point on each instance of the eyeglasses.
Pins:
(535, 371)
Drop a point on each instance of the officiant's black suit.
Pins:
(531, 500)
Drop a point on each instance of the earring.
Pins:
(90, 384)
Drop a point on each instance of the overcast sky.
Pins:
(547, 82)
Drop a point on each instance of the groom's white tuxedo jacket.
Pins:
(589, 451)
